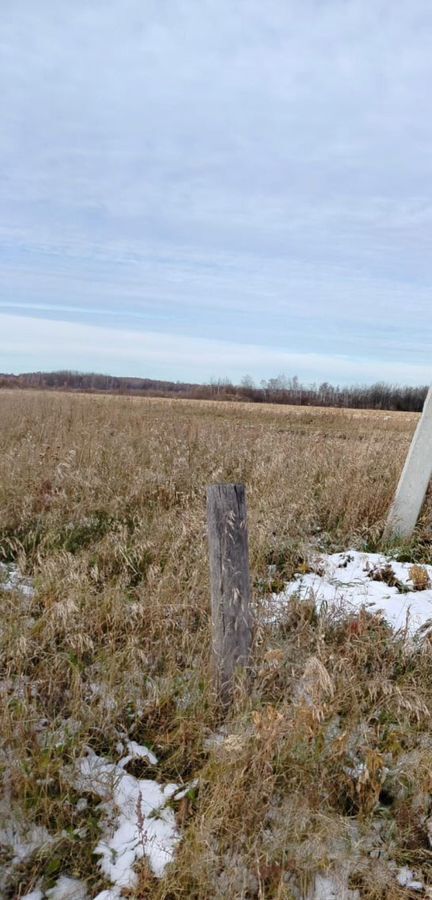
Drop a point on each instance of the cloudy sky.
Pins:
(207, 188)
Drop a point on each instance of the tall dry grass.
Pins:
(102, 502)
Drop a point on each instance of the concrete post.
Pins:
(414, 480)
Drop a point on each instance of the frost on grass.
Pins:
(401, 592)
(138, 820)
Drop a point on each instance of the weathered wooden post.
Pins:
(414, 480)
(230, 584)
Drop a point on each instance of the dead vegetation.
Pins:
(325, 765)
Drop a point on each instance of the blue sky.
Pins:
(207, 188)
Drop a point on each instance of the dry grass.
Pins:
(102, 501)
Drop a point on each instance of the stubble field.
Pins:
(102, 506)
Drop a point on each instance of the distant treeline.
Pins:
(276, 390)
(92, 382)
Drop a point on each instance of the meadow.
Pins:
(103, 507)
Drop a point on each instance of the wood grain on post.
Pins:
(230, 584)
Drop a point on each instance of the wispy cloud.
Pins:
(258, 174)
(73, 345)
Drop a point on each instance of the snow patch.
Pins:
(405, 877)
(110, 894)
(21, 840)
(348, 581)
(332, 887)
(138, 821)
(12, 580)
(67, 888)
(136, 751)
(193, 785)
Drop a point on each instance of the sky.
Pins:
(201, 189)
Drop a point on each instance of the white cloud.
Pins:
(70, 345)
(252, 171)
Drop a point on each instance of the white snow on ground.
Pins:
(136, 822)
(20, 839)
(184, 791)
(12, 580)
(332, 887)
(137, 751)
(405, 878)
(347, 581)
(67, 888)
(141, 822)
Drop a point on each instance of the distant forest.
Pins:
(276, 390)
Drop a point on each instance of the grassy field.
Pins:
(102, 504)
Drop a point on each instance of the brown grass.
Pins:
(102, 502)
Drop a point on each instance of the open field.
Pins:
(102, 505)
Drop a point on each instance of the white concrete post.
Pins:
(414, 480)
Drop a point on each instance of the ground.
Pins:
(320, 773)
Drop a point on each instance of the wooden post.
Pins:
(230, 584)
(414, 480)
